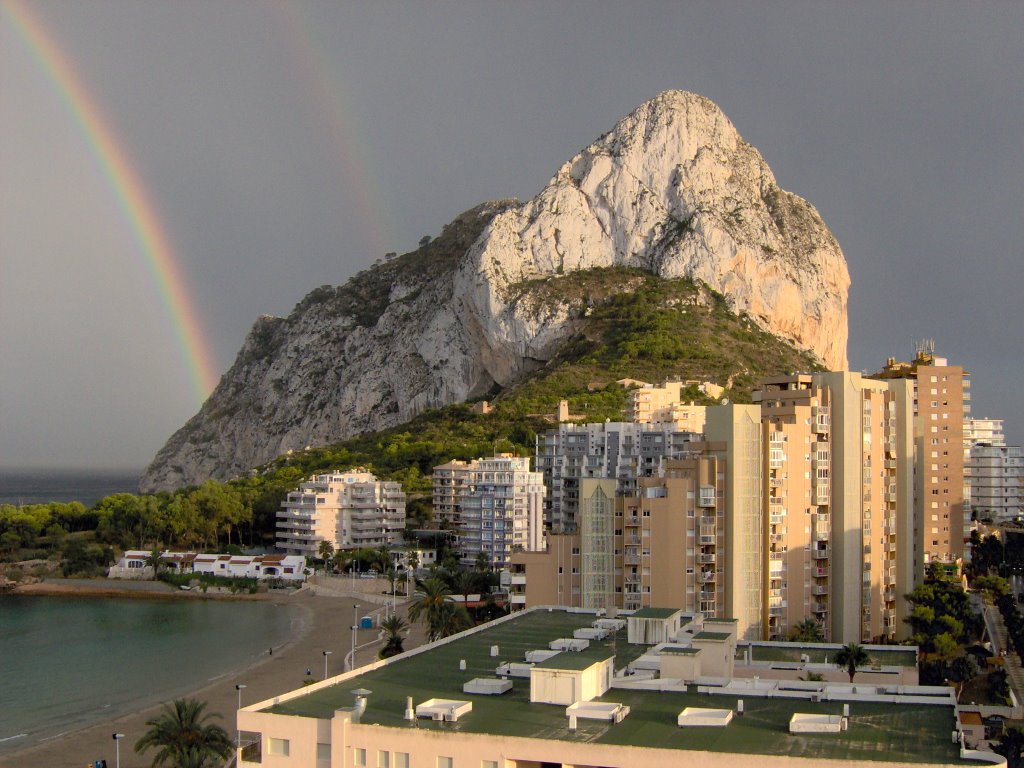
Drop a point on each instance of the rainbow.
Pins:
(131, 195)
(327, 92)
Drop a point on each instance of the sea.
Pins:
(67, 662)
(39, 486)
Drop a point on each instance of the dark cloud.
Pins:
(289, 145)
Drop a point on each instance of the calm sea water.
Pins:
(38, 486)
(66, 662)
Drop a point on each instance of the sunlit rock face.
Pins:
(672, 189)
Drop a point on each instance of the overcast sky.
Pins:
(285, 146)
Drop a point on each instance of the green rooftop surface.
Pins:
(890, 657)
(654, 613)
(576, 660)
(679, 651)
(720, 636)
(882, 732)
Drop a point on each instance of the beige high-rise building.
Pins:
(448, 481)
(840, 485)
(872, 504)
(664, 405)
(349, 509)
(941, 403)
(734, 435)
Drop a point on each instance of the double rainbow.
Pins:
(131, 194)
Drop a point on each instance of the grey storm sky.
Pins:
(289, 145)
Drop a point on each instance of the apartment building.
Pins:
(622, 451)
(660, 546)
(734, 436)
(996, 478)
(350, 509)
(448, 482)
(664, 405)
(496, 505)
(497, 695)
(942, 394)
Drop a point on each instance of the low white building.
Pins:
(132, 565)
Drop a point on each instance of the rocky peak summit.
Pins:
(672, 189)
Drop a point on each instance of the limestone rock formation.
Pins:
(672, 189)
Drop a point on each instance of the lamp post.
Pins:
(355, 626)
(326, 654)
(238, 732)
(117, 748)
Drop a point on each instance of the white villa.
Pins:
(132, 565)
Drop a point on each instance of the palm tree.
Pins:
(155, 561)
(807, 631)
(453, 618)
(465, 584)
(184, 738)
(428, 602)
(392, 626)
(325, 551)
(852, 656)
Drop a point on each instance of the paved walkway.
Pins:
(1001, 641)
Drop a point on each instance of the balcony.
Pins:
(821, 554)
(819, 590)
(706, 559)
(820, 573)
(706, 576)
(708, 540)
(819, 608)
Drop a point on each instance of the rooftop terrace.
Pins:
(917, 733)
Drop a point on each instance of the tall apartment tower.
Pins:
(348, 509)
(622, 451)
(840, 482)
(501, 507)
(942, 395)
(733, 434)
(795, 414)
(872, 506)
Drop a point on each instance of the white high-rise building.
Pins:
(349, 509)
(996, 474)
(500, 509)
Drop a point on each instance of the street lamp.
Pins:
(355, 626)
(238, 738)
(326, 654)
(117, 748)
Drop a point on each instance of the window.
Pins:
(323, 751)
(444, 762)
(401, 760)
(383, 759)
(488, 764)
(278, 746)
(358, 756)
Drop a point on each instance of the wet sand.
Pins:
(326, 627)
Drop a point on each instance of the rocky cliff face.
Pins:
(672, 189)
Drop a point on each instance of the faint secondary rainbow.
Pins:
(329, 94)
(128, 189)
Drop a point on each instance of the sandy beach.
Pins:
(328, 618)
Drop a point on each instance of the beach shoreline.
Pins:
(326, 625)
